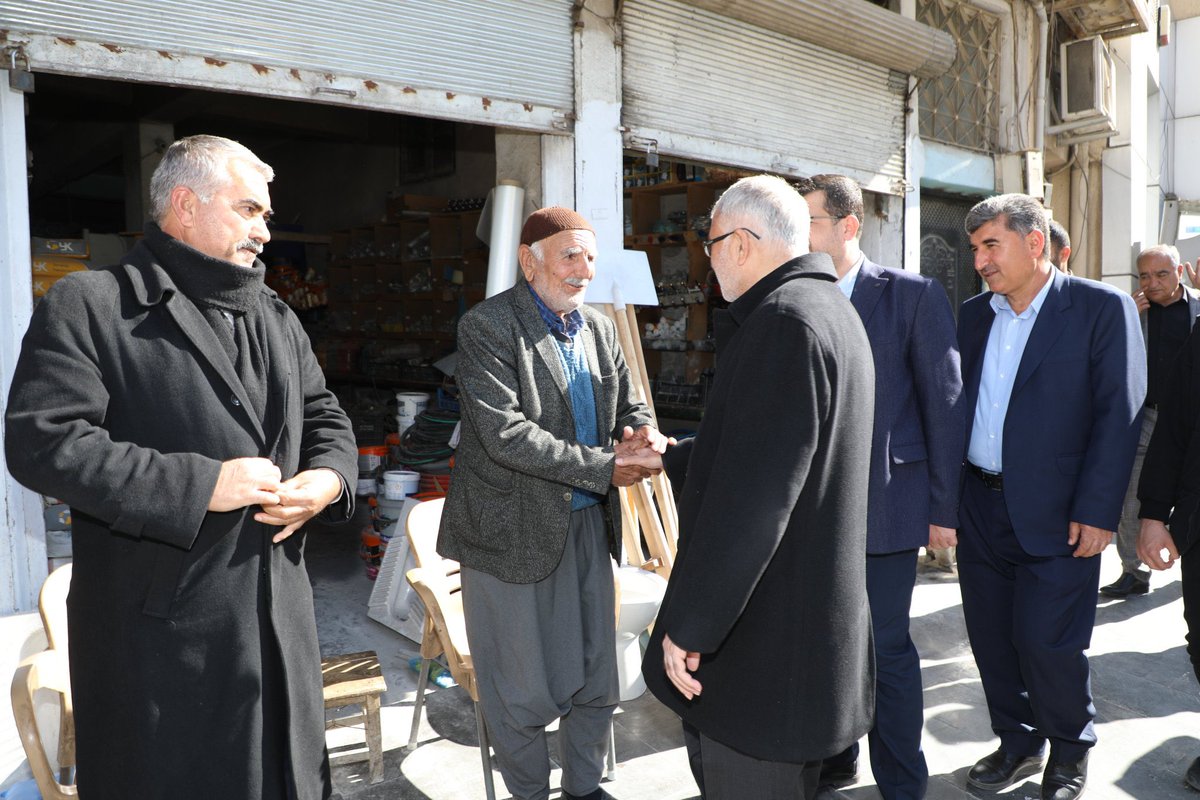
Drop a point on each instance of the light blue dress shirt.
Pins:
(1005, 346)
(846, 282)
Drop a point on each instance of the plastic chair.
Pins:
(445, 632)
(422, 529)
(52, 606)
(437, 582)
(47, 671)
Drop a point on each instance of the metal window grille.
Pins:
(945, 247)
(961, 107)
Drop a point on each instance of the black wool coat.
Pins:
(1169, 487)
(770, 580)
(124, 404)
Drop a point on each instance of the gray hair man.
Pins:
(769, 575)
(551, 427)
(1168, 310)
(174, 402)
(1054, 379)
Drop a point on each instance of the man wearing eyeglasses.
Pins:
(916, 462)
(762, 644)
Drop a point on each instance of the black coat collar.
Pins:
(813, 265)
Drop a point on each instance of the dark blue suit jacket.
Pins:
(1075, 413)
(917, 443)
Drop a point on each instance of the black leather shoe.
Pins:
(598, 794)
(1193, 775)
(1001, 770)
(1063, 780)
(838, 775)
(1129, 583)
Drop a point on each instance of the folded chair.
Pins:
(47, 671)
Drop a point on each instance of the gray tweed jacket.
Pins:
(517, 461)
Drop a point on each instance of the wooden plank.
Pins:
(656, 538)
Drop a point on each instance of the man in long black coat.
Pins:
(763, 643)
(174, 402)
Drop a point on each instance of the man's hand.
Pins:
(300, 499)
(634, 462)
(1140, 298)
(1153, 538)
(245, 482)
(1091, 541)
(1193, 277)
(648, 436)
(940, 538)
(680, 664)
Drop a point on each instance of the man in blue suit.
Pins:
(916, 468)
(1054, 374)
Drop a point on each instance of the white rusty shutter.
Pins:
(711, 88)
(480, 60)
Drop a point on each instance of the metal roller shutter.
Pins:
(712, 88)
(467, 59)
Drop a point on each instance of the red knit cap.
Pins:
(548, 221)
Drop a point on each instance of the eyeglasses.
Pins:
(835, 219)
(708, 243)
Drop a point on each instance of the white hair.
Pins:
(1168, 250)
(201, 164)
(771, 202)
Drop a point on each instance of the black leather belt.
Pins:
(992, 480)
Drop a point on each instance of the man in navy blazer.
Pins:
(1054, 376)
(916, 467)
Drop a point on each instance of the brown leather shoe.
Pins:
(1001, 770)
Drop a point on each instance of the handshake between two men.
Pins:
(639, 454)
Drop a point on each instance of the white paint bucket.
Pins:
(400, 483)
(408, 406)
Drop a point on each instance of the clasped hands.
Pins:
(639, 454)
(285, 504)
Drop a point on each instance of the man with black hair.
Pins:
(916, 464)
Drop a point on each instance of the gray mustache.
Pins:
(250, 244)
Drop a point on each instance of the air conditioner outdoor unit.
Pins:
(1089, 88)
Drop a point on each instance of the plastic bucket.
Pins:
(400, 483)
(371, 458)
(408, 406)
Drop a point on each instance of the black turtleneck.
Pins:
(229, 297)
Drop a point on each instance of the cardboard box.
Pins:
(56, 266)
(58, 517)
(58, 544)
(42, 284)
(68, 248)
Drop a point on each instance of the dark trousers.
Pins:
(1029, 619)
(897, 761)
(1189, 566)
(723, 773)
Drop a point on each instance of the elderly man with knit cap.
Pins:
(550, 428)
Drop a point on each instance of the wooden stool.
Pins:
(356, 679)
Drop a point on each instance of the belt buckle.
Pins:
(991, 480)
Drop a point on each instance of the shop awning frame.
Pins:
(856, 28)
